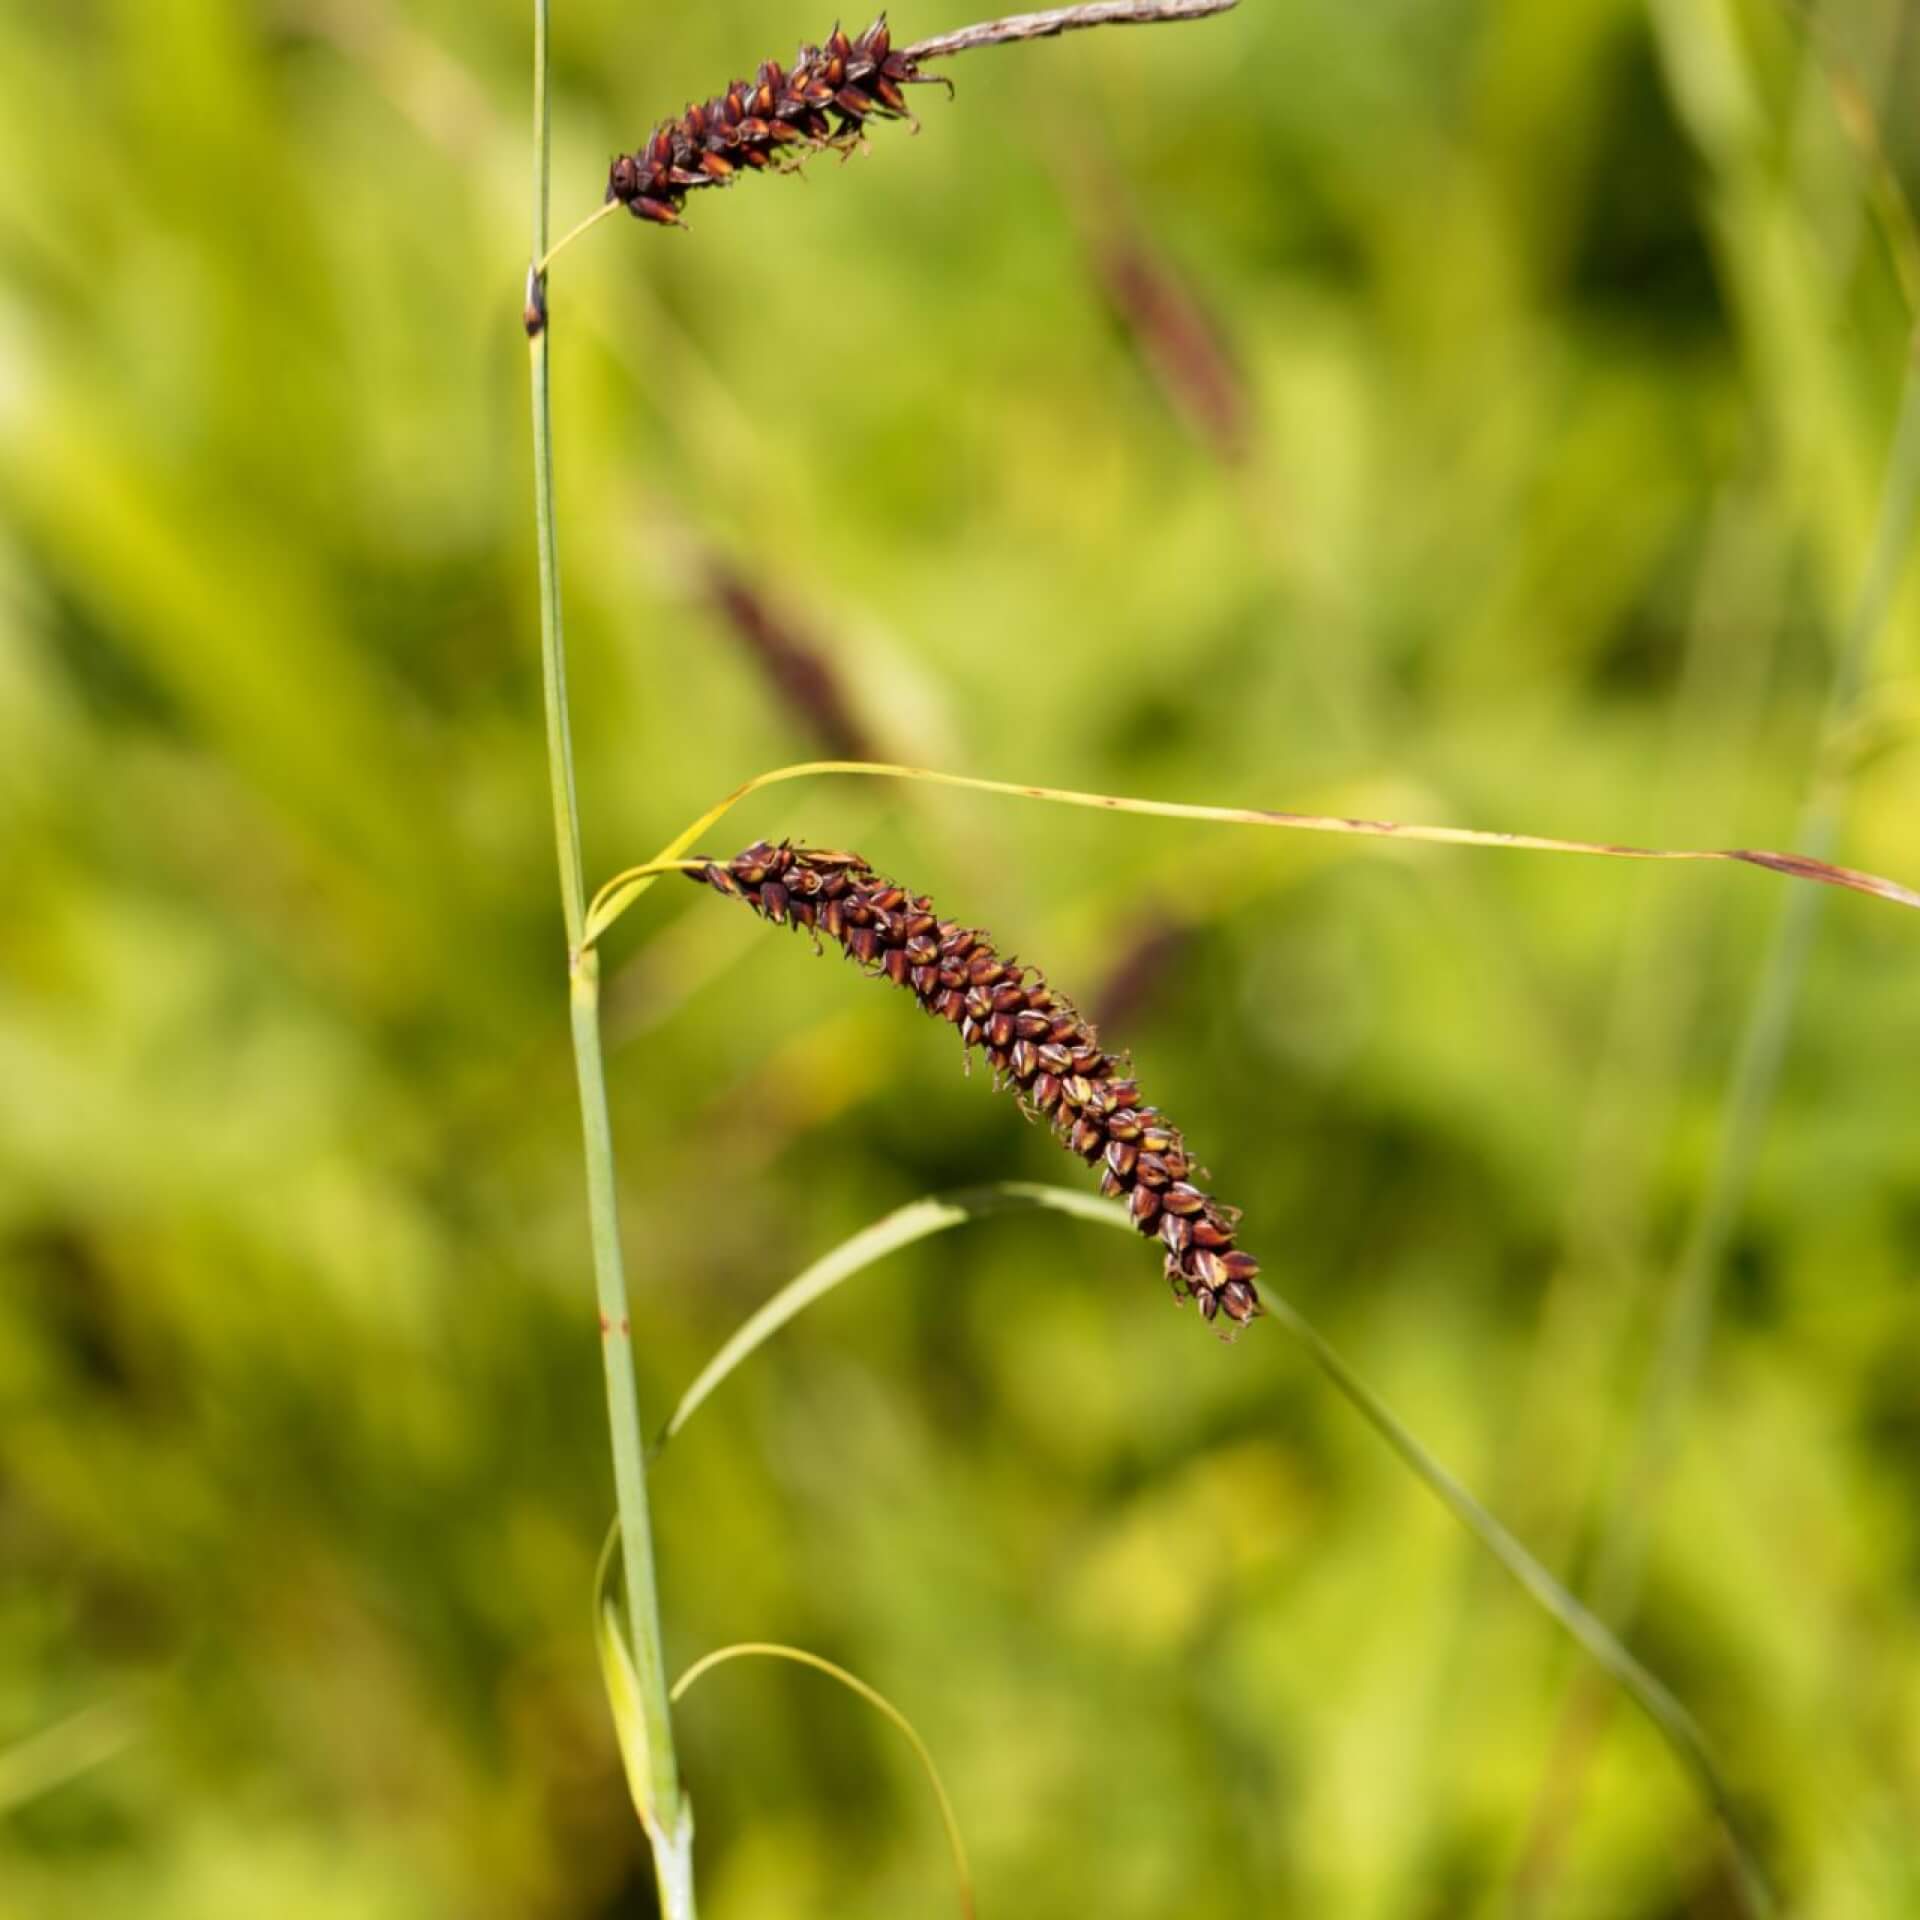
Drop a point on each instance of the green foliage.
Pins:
(1571, 340)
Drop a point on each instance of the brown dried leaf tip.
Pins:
(1034, 1037)
(772, 124)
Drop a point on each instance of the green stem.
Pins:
(668, 1824)
(553, 641)
(668, 1819)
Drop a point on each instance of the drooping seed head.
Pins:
(1035, 1041)
(825, 100)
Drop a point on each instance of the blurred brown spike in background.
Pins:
(1143, 964)
(1179, 341)
(802, 676)
(1180, 337)
(1035, 1039)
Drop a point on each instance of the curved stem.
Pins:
(572, 234)
(668, 1820)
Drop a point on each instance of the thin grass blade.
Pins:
(622, 1683)
(612, 1633)
(1675, 1725)
(917, 1221)
(770, 1650)
(625, 888)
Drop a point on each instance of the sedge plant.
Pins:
(1032, 1038)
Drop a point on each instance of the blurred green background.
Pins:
(1475, 413)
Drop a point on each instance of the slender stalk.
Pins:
(573, 233)
(668, 1819)
(670, 1827)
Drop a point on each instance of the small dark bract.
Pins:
(770, 124)
(1035, 1039)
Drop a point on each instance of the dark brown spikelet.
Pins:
(770, 124)
(1037, 1042)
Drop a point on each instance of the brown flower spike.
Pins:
(1035, 1039)
(824, 100)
